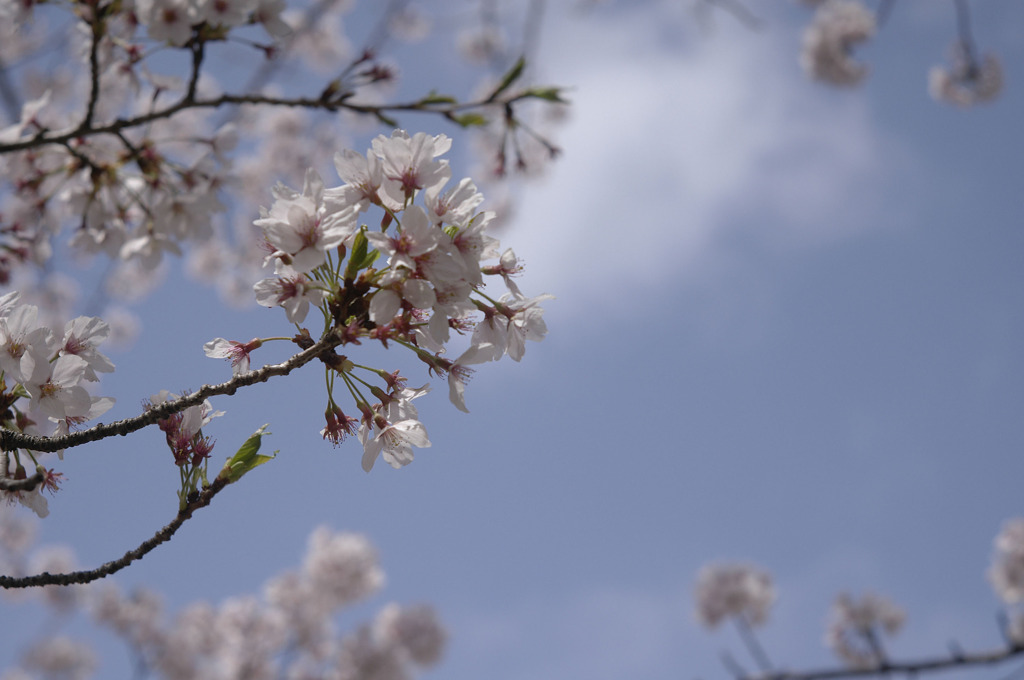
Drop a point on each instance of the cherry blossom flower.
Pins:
(455, 206)
(1007, 571)
(363, 176)
(409, 165)
(303, 227)
(854, 627)
(167, 20)
(416, 630)
(966, 82)
(227, 13)
(726, 590)
(237, 352)
(97, 407)
(61, 657)
(474, 245)
(342, 567)
(507, 267)
(416, 237)
(395, 440)
(268, 13)
(837, 27)
(526, 324)
(393, 430)
(23, 343)
(29, 112)
(82, 336)
(291, 290)
(34, 500)
(459, 373)
(55, 390)
(339, 426)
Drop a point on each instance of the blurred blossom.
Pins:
(838, 26)
(416, 630)
(854, 626)
(740, 590)
(342, 567)
(409, 23)
(61, 657)
(136, 618)
(966, 82)
(481, 44)
(57, 559)
(1007, 571)
(124, 327)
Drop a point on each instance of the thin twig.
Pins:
(884, 10)
(963, 26)
(753, 646)
(958, 660)
(235, 99)
(96, 26)
(162, 536)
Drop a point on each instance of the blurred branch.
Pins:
(8, 95)
(957, 659)
(752, 644)
(162, 536)
(329, 101)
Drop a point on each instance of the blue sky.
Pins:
(787, 331)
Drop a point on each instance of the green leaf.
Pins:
(360, 258)
(551, 94)
(369, 259)
(470, 119)
(508, 78)
(357, 255)
(435, 98)
(246, 458)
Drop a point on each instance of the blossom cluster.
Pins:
(44, 376)
(733, 590)
(839, 26)
(854, 628)
(131, 163)
(1007, 576)
(411, 281)
(967, 81)
(289, 631)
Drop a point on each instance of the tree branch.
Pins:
(958, 659)
(377, 110)
(10, 440)
(162, 536)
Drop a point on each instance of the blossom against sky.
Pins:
(786, 332)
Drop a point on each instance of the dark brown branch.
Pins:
(378, 110)
(96, 30)
(162, 536)
(958, 659)
(10, 440)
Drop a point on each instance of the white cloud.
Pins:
(675, 155)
